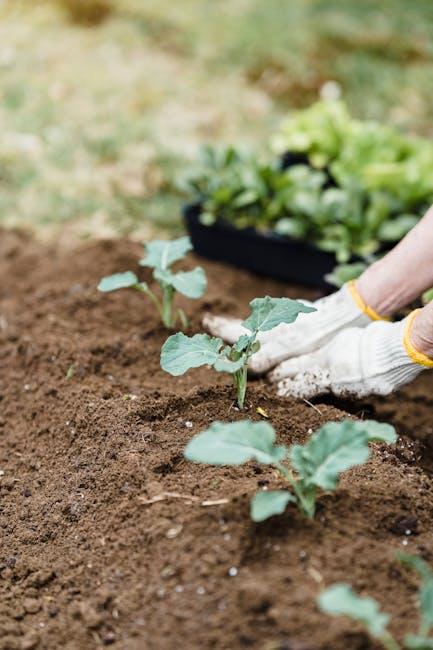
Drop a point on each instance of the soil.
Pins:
(105, 538)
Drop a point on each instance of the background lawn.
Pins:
(105, 103)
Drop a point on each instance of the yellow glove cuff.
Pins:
(369, 311)
(417, 357)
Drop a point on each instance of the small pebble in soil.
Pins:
(201, 591)
(188, 424)
(160, 592)
(227, 537)
(404, 542)
(233, 572)
(408, 532)
(2, 472)
(178, 589)
(174, 532)
(302, 555)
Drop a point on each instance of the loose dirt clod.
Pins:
(86, 562)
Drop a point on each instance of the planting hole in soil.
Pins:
(110, 537)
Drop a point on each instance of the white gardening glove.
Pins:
(375, 360)
(336, 312)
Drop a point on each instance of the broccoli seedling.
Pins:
(180, 353)
(334, 448)
(341, 600)
(160, 255)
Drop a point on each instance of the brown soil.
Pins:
(86, 561)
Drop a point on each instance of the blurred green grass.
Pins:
(105, 102)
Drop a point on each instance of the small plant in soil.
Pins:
(160, 256)
(180, 353)
(341, 600)
(308, 468)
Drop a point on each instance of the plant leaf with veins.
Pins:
(162, 254)
(266, 504)
(341, 600)
(118, 281)
(336, 447)
(267, 313)
(180, 352)
(235, 443)
(191, 284)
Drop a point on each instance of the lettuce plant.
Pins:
(160, 256)
(180, 353)
(308, 468)
(341, 600)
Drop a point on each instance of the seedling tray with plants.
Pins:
(333, 192)
(268, 253)
(119, 527)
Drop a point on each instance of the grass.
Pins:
(104, 103)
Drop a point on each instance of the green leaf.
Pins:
(396, 228)
(341, 600)
(180, 352)
(189, 283)
(118, 281)
(235, 443)
(343, 273)
(416, 642)
(162, 254)
(336, 447)
(267, 313)
(377, 431)
(226, 365)
(243, 342)
(267, 504)
(426, 591)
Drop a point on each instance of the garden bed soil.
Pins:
(105, 536)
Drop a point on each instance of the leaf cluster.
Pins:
(381, 184)
(160, 256)
(180, 352)
(341, 600)
(308, 468)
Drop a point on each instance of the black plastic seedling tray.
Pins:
(265, 253)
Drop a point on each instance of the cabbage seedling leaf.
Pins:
(162, 254)
(235, 443)
(226, 365)
(267, 313)
(336, 447)
(267, 504)
(341, 600)
(191, 284)
(377, 431)
(118, 281)
(180, 352)
(426, 589)
(416, 642)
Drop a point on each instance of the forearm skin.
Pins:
(403, 274)
(421, 335)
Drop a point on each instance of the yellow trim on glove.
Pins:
(361, 304)
(417, 357)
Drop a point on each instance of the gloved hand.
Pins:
(357, 362)
(309, 332)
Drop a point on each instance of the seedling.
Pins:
(160, 255)
(334, 448)
(180, 353)
(341, 600)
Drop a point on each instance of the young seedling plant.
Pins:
(180, 353)
(160, 256)
(308, 468)
(341, 600)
